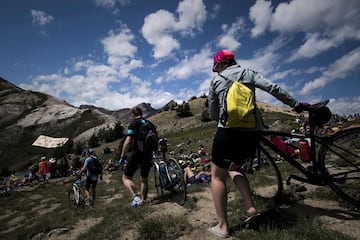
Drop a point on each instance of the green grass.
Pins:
(117, 218)
(165, 227)
(280, 223)
(28, 209)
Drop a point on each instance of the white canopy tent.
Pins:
(49, 142)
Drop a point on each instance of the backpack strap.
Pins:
(241, 76)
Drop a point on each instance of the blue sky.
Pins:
(118, 53)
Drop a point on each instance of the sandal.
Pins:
(248, 219)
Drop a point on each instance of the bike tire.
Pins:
(72, 200)
(340, 161)
(178, 189)
(264, 176)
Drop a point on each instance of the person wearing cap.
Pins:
(231, 146)
(52, 167)
(91, 179)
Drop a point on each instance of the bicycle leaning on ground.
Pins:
(333, 160)
(76, 196)
(169, 177)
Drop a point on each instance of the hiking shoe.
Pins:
(136, 201)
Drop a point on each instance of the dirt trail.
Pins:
(202, 216)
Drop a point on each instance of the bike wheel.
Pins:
(81, 203)
(341, 164)
(72, 199)
(264, 176)
(178, 190)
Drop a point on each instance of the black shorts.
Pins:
(192, 180)
(232, 145)
(90, 183)
(138, 159)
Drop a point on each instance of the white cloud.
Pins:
(204, 86)
(322, 27)
(39, 18)
(192, 14)
(302, 15)
(159, 27)
(228, 40)
(260, 14)
(315, 43)
(105, 3)
(314, 69)
(265, 59)
(345, 105)
(326, 23)
(190, 66)
(109, 4)
(214, 11)
(312, 46)
(118, 45)
(155, 31)
(338, 70)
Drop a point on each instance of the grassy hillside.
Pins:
(40, 211)
(20, 154)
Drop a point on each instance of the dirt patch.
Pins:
(82, 226)
(335, 217)
(201, 217)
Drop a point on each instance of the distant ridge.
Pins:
(26, 114)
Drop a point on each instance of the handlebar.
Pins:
(312, 107)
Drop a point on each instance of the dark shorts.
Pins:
(138, 159)
(192, 180)
(232, 145)
(90, 183)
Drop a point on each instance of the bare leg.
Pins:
(87, 193)
(129, 184)
(188, 173)
(240, 180)
(219, 193)
(144, 188)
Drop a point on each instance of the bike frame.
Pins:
(312, 172)
(156, 162)
(171, 179)
(76, 190)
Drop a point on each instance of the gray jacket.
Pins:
(251, 79)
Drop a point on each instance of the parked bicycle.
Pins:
(329, 160)
(76, 195)
(169, 178)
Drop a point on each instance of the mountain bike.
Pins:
(333, 159)
(76, 195)
(169, 177)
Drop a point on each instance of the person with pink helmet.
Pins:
(232, 146)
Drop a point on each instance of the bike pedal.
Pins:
(309, 168)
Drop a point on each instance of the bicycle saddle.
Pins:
(319, 113)
(316, 106)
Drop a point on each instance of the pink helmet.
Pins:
(223, 55)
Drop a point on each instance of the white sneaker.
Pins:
(136, 201)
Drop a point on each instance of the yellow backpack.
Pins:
(239, 106)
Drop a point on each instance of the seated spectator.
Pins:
(203, 176)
